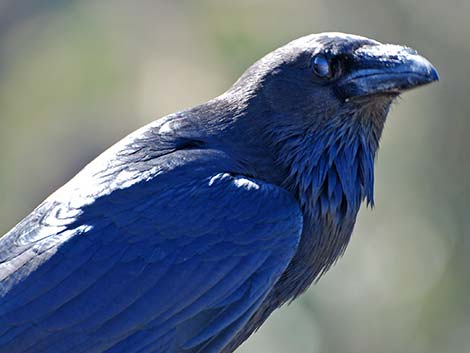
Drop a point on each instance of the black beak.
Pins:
(385, 69)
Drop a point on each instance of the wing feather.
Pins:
(177, 262)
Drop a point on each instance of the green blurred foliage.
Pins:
(76, 76)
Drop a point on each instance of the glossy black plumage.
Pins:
(187, 234)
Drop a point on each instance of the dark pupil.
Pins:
(321, 66)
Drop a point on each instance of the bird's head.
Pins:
(317, 74)
(321, 102)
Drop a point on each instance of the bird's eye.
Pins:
(322, 67)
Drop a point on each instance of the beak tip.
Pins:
(417, 64)
(433, 74)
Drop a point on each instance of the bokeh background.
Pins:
(76, 76)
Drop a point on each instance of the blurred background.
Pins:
(76, 76)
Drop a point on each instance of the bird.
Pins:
(187, 234)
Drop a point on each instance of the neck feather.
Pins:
(331, 171)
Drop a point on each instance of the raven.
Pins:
(189, 232)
